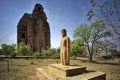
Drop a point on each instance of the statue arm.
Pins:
(61, 51)
(68, 47)
(60, 46)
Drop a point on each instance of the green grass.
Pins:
(22, 69)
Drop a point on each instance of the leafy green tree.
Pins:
(23, 49)
(55, 53)
(89, 35)
(8, 50)
(106, 46)
(1, 58)
(106, 10)
(115, 53)
(5, 51)
(12, 51)
(76, 48)
(47, 52)
(1, 52)
(37, 54)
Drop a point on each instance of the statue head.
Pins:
(64, 32)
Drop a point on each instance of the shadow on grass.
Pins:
(6, 72)
(96, 62)
(108, 63)
(22, 65)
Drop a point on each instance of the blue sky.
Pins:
(60, 13)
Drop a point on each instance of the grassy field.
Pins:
(22, 69)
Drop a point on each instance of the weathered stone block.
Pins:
(63, 70)
(44, 74)
(91, 76)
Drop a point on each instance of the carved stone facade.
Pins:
(33, 29)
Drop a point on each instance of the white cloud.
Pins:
(8, 39)
(13, 38)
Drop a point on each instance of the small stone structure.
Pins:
(71, 72)
(33, 29)
(65, 71)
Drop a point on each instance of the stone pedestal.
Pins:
(72, 72)
(65, 71)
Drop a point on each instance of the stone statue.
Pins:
(65, 48)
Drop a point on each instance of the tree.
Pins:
(1, 58)
(23, 49)
(46, 52)
(5, 51)
(89, 35)
(109, 11)
(1, 52)
(115, 53)
(8, 50)
(55, 53)
(12, 51)
(106, 46)
(37, 54)
(76, 48)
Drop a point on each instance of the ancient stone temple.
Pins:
(33, 29)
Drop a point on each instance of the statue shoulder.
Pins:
(67, 37)
(61, 39)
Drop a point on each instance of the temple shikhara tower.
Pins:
(33, 29)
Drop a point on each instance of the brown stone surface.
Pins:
(64, 71)
(33, 29)
(44, 73)
(91, 76)
(40, 74)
